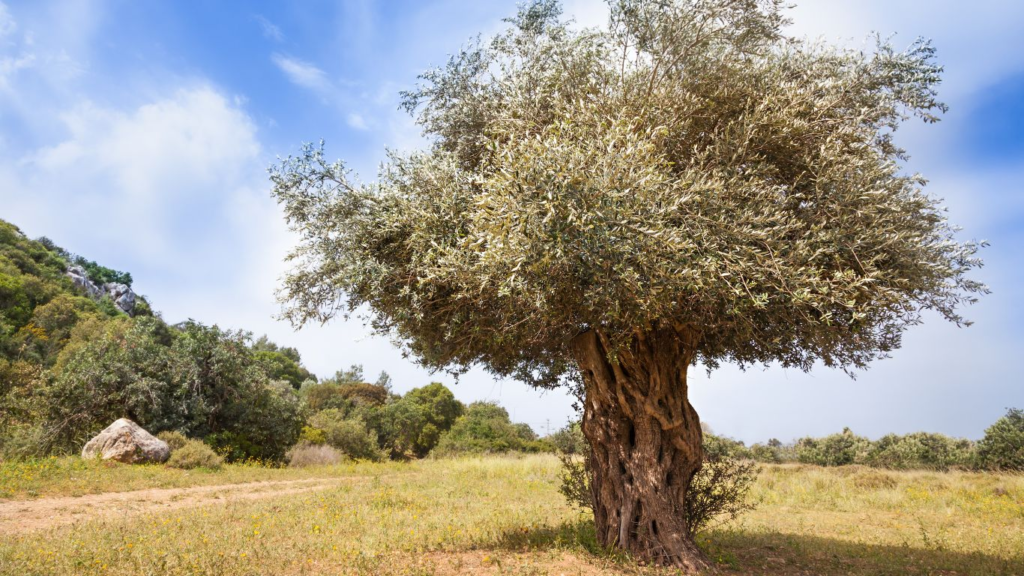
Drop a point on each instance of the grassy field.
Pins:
(73, 476)
(505, 516)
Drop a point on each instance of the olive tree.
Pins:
(605, 208)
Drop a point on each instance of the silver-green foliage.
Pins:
(690, 166)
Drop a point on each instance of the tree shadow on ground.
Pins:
(737, 551)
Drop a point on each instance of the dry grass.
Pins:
(505, 516)
(305, 455)
(73, 476)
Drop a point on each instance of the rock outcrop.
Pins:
(121, 294)
(79, 277)
(125, 441)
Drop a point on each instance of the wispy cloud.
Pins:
(11, 64)
(357, 121)
(7, 23)
(271, 31)
(302, 73)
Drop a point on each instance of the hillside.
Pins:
(79, 348)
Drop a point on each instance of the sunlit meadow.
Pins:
(504, 515)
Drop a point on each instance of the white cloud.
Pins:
(7, 23)
(271, 31)
(139, 172)
(357, 121)
(9, 65)
(302, 73)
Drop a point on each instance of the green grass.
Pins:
(505, 516)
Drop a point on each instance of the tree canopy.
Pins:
(690, 166)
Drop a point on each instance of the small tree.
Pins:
(605, 208)
(1002, 448)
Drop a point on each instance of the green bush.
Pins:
(195, 454)
(101, 275)
(323, 396)
(109, 370)
(835, 450)
(485, 427)
(569, 440)
(766, 453)
(920, 450)
(70, 365)
(724, 447)
(438, 409)
(282, 366)
(1002, 448)
(226, 397)
(350, 436)
(311, 435)
(23, 442)
(173, 438)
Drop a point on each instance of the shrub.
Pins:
(323, 396)
(575, 478)
(724, 447)
(305, 454)
(194, 454)
(719, 491)
(569, 440)
(350, 436)
(835, 450)
(228, 399)
(23, 442)
(311, 435)
(919, 450)
(108, 370)
(486, 428)
(767, 453)
(173, 438)
(1002, 448)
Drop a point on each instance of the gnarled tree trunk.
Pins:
(646, 442)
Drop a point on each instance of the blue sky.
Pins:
(138, 134)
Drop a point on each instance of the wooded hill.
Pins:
(73, 359)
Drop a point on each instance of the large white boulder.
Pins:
(125, 441)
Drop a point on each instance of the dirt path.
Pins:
(46, 513)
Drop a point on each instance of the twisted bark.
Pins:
(646, 441)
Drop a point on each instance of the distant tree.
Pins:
(323, 396)
(354, 375)
(281, 366)
(485, 427)
(117, 369)
(101, 275)
(264, 344)
(605, 208)
(438, 402)
(1002, 448)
